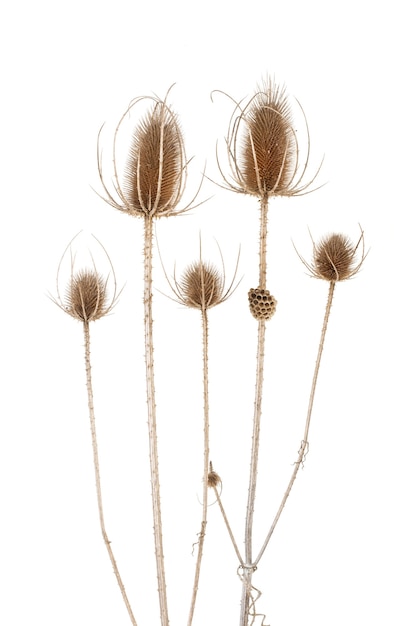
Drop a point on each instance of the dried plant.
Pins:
(265, 161)
(88, 299)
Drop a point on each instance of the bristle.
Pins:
(153, 177)
(213, 479)
(86, 296)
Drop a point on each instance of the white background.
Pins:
(345, 549)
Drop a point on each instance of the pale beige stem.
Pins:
(97, 470)
(205, 466)
(304, 443)
(229, 529)
(153, 447)
(260, 357)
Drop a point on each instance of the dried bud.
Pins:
(86, 296)
(262, 304)
(213, 479)
(334, 257)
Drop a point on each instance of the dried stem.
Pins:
(205, 465)
(97, 470)
(153, 446)
(229, 529)
(248, 569)
(304, 443)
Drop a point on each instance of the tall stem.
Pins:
(304, 443)
(97, 470)
(153, 445)
(260, 357)
(205, 466)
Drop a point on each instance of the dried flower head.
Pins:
(202, 285)
(262, 146)
(155, 171)
(87, 295)
(334, 257)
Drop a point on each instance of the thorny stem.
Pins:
(97, 470)
(205, 466)
(260, 357)
(153, 444)
(304, 443)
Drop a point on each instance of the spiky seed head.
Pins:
(269, 145)
(262, 304)
(334, 258)
(86, 296)
(201, 286)
(153, 176)
(213, 479)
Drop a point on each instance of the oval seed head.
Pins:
(334, 258)
(269, 146)
(201, 286)
(262, 304)
(154, 170)
(86, 296)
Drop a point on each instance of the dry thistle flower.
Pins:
(265, 160)
(87, 296)
(213, 479)
(334, 257)
(262, 304)
(202, 285)
(156, 167)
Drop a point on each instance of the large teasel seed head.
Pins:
(262, 304)
(153, 174)
(335, 257)
(86, 296)
(269, 145)
(155, 170)
(262, 146)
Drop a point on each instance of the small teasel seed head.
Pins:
(86, 296)
(334, 258)
(201, 285)
(262, 304)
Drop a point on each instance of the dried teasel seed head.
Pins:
(153, 175)
(262, 304)
(86, 296)
(262, 146)
(334, 258)
(201, 286)
(269, 145)
(155, 170)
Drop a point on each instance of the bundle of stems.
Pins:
(264, 157)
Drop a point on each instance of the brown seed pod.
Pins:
(201, 285)
(213, 479)
(155, 170)
(334, 257)
(262, 146)
(262, 304)
(86, 297)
